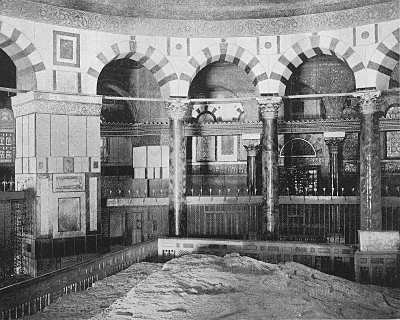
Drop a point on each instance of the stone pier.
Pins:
(58, 160)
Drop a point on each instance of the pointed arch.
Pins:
(148, 56)
(23, 54)
(308, 48)
(227, 52)
(384, 60)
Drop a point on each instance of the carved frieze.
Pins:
(238, 128)
(390, 167)
(217, 169)
(185, 28)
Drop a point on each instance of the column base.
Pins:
(379, 268)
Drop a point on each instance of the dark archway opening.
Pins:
(7, 124)
(319, 74)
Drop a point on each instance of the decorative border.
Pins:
(239, 128)
(23, 54)
(190, 28)
(58, 60)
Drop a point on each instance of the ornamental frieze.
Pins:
(217, 169)
(391, 167)
(190, 28)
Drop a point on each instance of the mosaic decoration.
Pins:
(390, 167)
(227, 148)
(351, 147)
(6, 147)
(393, 137)
(66, 49)
(205, 149)
(393, 112)
(6, 115)
(69, 214)
(393, 144)
(228, 52)
(351, 167)
(310, 47)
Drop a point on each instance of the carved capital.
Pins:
(369, 101)
(334, 144)
(177, 109)
(334, 140)
(252, 149)
(269, 106)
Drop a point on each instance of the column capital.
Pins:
(252, 149)
(369, 100)
(269, 106)
(334, 139)
(334, 144)
(177, 108)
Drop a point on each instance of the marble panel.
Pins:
(42, 135)
(77, 136)
(59, 135)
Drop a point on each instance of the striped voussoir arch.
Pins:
(227, 52)
(148, 56)
(23, 54)
(308, 48)
(385, 58)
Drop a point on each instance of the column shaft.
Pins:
(251, 168)
(269, 110)
(370, 165)
(177, 169)
(334, 141)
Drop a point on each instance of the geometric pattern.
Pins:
(23, 54)
(386, 56)
(227, 52)
(148, 56)
(308, 48)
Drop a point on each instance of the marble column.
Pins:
(370, 162)
(269, 112)
(177, 167)
(251, 167)
(334, 141)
